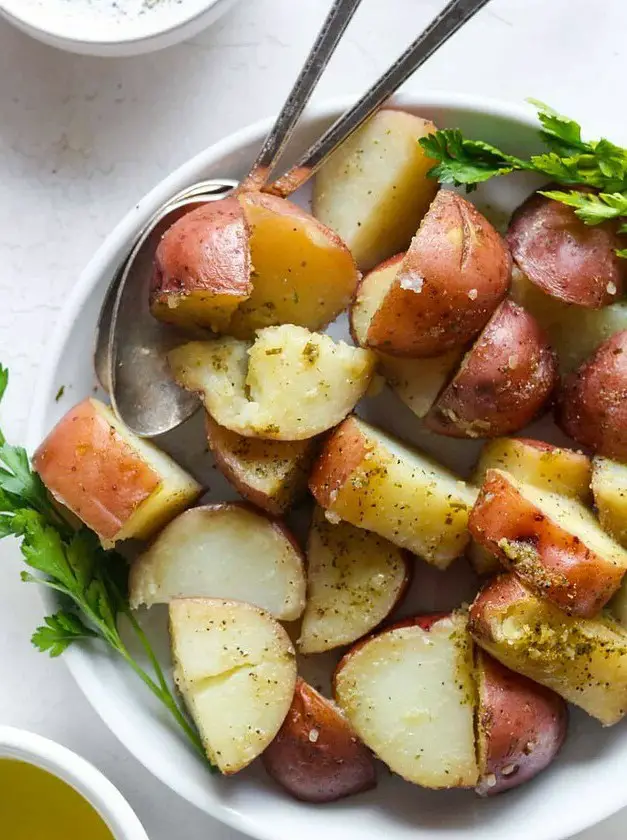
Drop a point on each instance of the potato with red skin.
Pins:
(316, 756)
(503, 383)
(554, 544)
(592, 403)
(572, 261)
(520, 726)
(452, 278)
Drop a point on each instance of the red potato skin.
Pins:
(91, 470)
(454, 275)
(504, 382)
(206, 250)
(571, 261)
(360, 341)
(592, 404)
(521, 726)
(341, 453)
(316, 756)
(563, 569)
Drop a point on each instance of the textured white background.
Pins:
(81, 139)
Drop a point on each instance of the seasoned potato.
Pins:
(592, 404)
(520, 726)
(574, 332)
(202, 267)
(316, 756)
(290, 384)
(551, 542)
(609, 487)
(374, 481)
(416, 381)
(451, 279)
(374, 190)
(271, 474)
(572, 261)
(582, 659)
(118, 484)
(503, 383)
(226, 550)
(236, 670)
(355, 579)
(409, 694)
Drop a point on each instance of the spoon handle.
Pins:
(328, 38)
(450, 19)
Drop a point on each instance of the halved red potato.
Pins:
(503, 382)
(582, 659)
(236, 670)
(227, 550)
(609, 487)
(316, 755)
(374, 190)
(451, 279)
(553, 543)
(118, 484)
(376, 482)
(592, 404)
(251, 261)
(291, 384)
(355, 579)
(202, 267)
(572, 261)
(409, 694)
(416, 381)
(574, 332)
(271, 474)
(520, 726)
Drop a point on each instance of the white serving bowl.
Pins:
(79, 774)
(109, 28)
(583, 786)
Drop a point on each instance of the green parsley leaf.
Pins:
(59, 631)
(465, 162)
(592, 208)
(562, 134)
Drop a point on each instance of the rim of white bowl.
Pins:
(76, 659)
(79, 774)
(88, 39)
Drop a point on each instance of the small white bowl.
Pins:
(79, 774)
(112, 28)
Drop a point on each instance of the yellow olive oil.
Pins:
(34, 805)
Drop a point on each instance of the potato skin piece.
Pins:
(521, 726)
(592, 404)
(316, 756)
(454, 275)
(572, 261)
(504, 382)
(205, 252)
(548, 558)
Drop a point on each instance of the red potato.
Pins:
(118, 484)
(592, 404)
(584, 660)
(409, 694)
(554, 544)
(451, 279)
(572, 261)
(504, 381)
(316, 755)
(520, 726)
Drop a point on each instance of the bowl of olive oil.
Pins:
(50, 793)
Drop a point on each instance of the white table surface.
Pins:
(81, 139)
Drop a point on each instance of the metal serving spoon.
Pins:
(131, 344)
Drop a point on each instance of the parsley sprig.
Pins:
(92, 581)
(570, 161)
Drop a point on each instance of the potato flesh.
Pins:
(291, 384)
(583, 660)
(409, 694)
(354, 580)
(223, 551)
(374, 189)
(236, 670)
(302, 273)
(609, 486)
